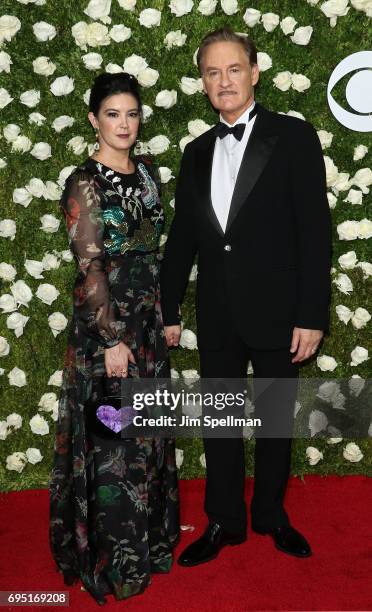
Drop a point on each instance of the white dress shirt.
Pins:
(227, 157)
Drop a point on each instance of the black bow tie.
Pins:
(238, 130)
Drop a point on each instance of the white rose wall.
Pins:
(50, 51)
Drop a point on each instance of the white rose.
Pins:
(328, 391)
(14, 420)
(190, 86)
(355, 197)
(52, 191)
(358, 355)
(288, 24)
(50, 262)
(175, 39)
(7, 303)
(9, 26)
(33, 455)
(77, 145)
(3, 163)
(332, 200)
(113, 68)
(165, 174)
(366, 268)
(37, 118)
(348, 230)
(62, 122)
(17, 377)
(150, 18)
(344, 313)
(21, 144)
(270, 21)
(283, 80)
(4, 431)
(343, 283)
(4, 347)
(356, 385)
(41, 150)
(188, 340)
(92, 61)
(181, 7)
(302, 35)
(42, 65)
(5, 98)
(80, 31)
(166, 98)
(194, 273)
(360, 318)
(8, 228)
(317, 422)
(34, 268)
(264, 61)
(331, 171)
(230, 7)
(326, 363)
(49, 224)
(48, 401)
(39, 425)
(64, 174)
(47, 293)
(184, 141)
(334, 9)
(348, 260)
(62, 86)
(365, 229)
(36, 187)
(44, 31)
(11, 132)
(146, 112)
(352, 452)
(207, 7)
(30, 98)
(57, 323)
(334, 440)
(5, 62)
(342, 183)
(67, 255)
(148, 77)
(16, 322)
(158, 144)
(313, 455)
(251, 17)
(120, 33)
(99, 9)
(16, 461)
(97, 35)
(179, 458)
(22, 196)
(7, 272)
(127, 5)
(359, 152)
(363, 5)
(134, 64)
(21, 292)
(202, 460)
(325, 138)
(56, 379)
(363, 179)
(300, 82)
(197, 127)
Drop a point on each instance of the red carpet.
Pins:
(334, 513)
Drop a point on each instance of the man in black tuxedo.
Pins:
(251, 201)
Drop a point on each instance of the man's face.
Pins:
(228, 78)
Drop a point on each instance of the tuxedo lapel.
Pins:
(259, 147)
(204, 175)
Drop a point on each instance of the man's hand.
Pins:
(305, 342)
(172, 334)
(116, 360)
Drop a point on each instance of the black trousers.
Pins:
(225, 463)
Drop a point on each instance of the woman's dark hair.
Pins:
(107, 84)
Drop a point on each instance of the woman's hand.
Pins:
(172, 334)
(116, 360)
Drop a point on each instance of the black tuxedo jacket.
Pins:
(270, 270)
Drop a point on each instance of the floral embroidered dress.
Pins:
(114, 515)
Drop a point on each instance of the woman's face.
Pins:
(118, 121)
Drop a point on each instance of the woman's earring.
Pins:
(96, 144)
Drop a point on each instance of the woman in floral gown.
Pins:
(114, 515)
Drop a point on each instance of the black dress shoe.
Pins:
(288, 540)
(209, 545)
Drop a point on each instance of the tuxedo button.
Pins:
(227, 247)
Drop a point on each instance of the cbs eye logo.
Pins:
(358, 91)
